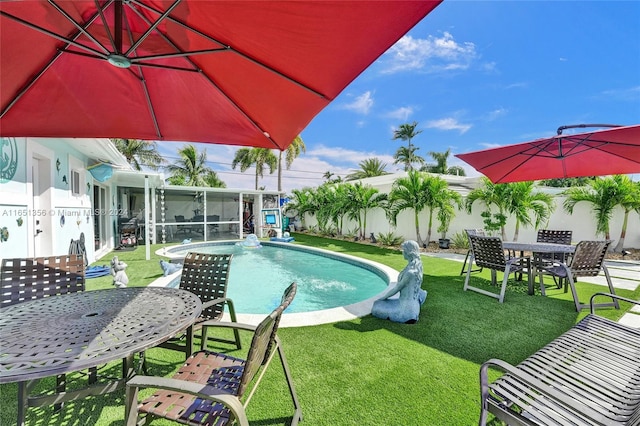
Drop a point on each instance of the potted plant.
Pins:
(445, 214)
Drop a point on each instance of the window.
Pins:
(75, 182)
(270, 219)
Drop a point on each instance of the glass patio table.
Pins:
(72, 332)
(537, 248)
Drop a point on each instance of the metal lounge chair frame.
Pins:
(210, 386)
(587, 261)
(207, 276)
(487, 252)
(479, 232)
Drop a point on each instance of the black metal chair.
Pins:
(487, 252)
(587, 261)
(213, 388)
(479, 232)
(207, 276)
(552, 236)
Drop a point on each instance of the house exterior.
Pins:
(59, 193)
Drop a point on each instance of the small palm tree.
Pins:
(362, 199)
(522, 200)
(491, 195)
(191, 169)
(406, 132)
(139, 153)
(408, 193)
(213, 180)
(293, 151)
(604, 194)
(258, 157)
(369, 167)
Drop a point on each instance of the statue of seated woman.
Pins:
(406, 308)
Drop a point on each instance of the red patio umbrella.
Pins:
(601, 152)
(250, 73)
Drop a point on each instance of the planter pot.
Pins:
(443, 243)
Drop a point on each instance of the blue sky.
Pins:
(473, 75)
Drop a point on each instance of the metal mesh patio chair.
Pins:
(25, 279)
(211, 387)
(479, 232)
(587, 261)
(487, 252)
(207, 276)
(552, 236)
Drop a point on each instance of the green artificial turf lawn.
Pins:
(367, 371)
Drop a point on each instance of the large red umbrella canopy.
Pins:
(250, 73)
(597, 153)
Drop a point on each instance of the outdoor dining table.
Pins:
(72, 332)
(537, 248)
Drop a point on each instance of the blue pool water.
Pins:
(259, 276)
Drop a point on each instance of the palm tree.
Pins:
(631, 201)
(213, 180)
(293, 151)
(490, 195)
(369, 167)
(191, 169)
(605, 194)
(441, 166)
(407, 156)
(258, 157)
(364, 198)
(302, 201)
(522, 200)
(139, 153)
(408, 193)
(406, 132)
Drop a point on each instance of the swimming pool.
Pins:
(331, 286)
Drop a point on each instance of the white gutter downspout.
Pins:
(147, 243)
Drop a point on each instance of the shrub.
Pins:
(389, 239)
(460, 240)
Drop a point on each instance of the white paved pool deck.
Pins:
(624, 275)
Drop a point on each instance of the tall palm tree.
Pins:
(605, 194)
(191, 168)
(491, 195)
(408, 193)
(258, 157)
(369, 167)
(630, 201)
(407, 156)
(522, 200)
(140, 153)
(406, 132)
(441, 166)
(293, 151)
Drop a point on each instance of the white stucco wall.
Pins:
(581, 222)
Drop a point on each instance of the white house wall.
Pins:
(67, 215)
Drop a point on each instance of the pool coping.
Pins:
(300, 319)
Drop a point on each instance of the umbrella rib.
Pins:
(247, 57)
(78, 26)
(137, 59)
(212, 82)
(104, 23)
(153, 27)
(50, 33)
(35, 78)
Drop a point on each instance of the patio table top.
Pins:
(72, 332)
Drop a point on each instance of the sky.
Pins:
(473, 75)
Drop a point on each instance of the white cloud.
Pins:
(448, 124)
(630, 94)
(400, 114)
(360, 105)
(432, 54)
